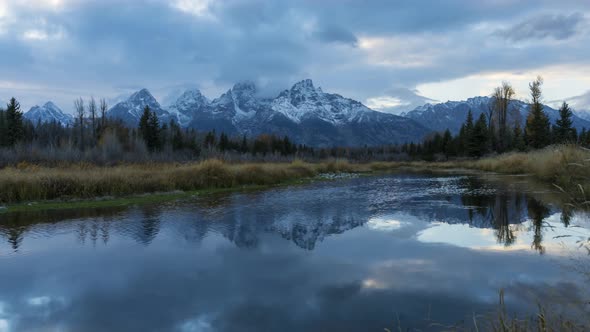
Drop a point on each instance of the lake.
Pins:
(419, 251)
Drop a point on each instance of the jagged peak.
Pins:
(306, 84)
(47, 106)
(141, 95)
(192, 93)
(50, 104)
(244, 86)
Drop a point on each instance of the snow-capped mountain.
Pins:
(185, 107)
(452, 114)
(49, 112)
(303, 101)
(130, 110)
(304, 113)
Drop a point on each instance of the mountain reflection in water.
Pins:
(346, 255)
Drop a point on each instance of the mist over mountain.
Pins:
(580, 105)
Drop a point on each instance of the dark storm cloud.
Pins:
(97, 46)
(337, 34)
(558, 27)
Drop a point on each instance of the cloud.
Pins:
(557, 26)
(360, 49)
(579, 104)
(398, 100)
(337, 34)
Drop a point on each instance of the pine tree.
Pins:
(478, 145)
(244, 145)
(466, 134)
(210, 140)
(3, 129)
(155, 142)
(518, 142)
(177, 138)
(538, 130)
(144, 125)
(149, 129)
(287, 148)
(563, 130)
(14, 123)
(448, 144)
(223, 142)
(585, 138)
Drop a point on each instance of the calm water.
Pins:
(357, 254)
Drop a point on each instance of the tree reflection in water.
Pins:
(242, 220)
(504, 212)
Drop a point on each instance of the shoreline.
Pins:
(567, 168)
(136, 199)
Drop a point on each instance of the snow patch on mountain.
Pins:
(130, 110)
(49, 112)
(303, 100)
(186, 105)
(304, 113)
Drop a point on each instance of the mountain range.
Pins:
(305, 113)
(49, 112)
(452, 114)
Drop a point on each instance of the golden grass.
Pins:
(565, 166)
(32, 182)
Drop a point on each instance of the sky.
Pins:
(392, 55)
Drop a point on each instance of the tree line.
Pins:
(97, 138)
(492, 132)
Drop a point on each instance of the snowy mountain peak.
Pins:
(49, 112)
(303, 101)
(130, 110)
(192, 96)
(51, 105)
(304, 85)
(303, 112)
(244, 86)
(187, 104)
(143, 96)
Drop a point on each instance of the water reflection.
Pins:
(350, 255)
(307, 217)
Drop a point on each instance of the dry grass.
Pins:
(568, 167)
(27, 182)
(565, 166)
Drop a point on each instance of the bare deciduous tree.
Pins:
(502, 97)
(80, 112)
(103, 112)
(92, 110)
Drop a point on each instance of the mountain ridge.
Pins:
(452, 114)
(304, 113)
(48, 112)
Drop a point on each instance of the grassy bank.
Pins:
(565, 166)
(25, 182)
